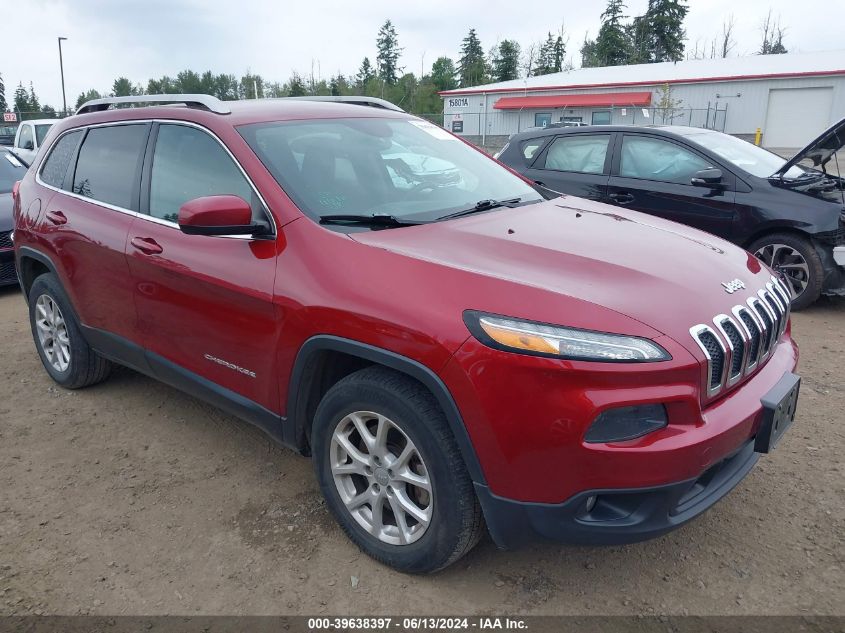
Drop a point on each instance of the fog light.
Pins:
(626, 423)
(591, 503)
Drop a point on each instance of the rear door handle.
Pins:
(622, 198)
(146, 245)
(56, 217)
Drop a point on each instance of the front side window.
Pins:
(188, 164)
(108, 164)
(747, 156)
(25, 137)
(583, 153)
(655, 159)
(406, 168)
(55, 167)
(41, 132)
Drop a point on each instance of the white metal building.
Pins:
(790, 97)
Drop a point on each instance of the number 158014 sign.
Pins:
(459, 102)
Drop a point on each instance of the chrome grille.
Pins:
(741, 341)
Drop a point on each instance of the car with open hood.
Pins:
(790, 213)
(454, 347)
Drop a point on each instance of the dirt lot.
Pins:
(132, 498)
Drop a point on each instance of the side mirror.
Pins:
(218, 215)
(707, 177)
(28, 145)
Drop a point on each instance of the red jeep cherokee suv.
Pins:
(451, 345)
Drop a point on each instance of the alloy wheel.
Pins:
(788, 261)
(381, 478)
(52, 333)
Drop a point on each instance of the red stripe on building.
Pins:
(605, 99)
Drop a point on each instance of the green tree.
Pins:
(21, 100)
(612, 43)
(387, 59)
(549, 56)
(443, 74)
(339, 85)
(296, 87)
(472, 67)
(4, 107)
(251, 86)
(365, 74)
(589, 53)
(639, 41)
(48, 112)
(505, 61)
(34, 104)
(89, 95)
(666, 35)
(163, 86)
(122, 87)
(667, 106)
(773, 34)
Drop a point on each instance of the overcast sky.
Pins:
(151, 38)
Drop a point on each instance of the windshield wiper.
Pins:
(386, 221)
(482, 205)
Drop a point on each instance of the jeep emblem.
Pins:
(732, 286)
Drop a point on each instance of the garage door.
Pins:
(796, 116)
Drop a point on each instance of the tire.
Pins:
(64, 352)
(797, 259)
(410, 416)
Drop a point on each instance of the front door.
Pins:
(205, 304)
(654, 175)
(576, 164)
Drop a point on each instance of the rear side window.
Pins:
(55, 167)
(530, 147)
(189, 164)
(108, 164)
(582, 153)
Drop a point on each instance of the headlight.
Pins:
(539, 339)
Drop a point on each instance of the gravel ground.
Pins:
(132, 498)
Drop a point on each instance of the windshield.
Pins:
(755, 160)
(41, 132)
(11, 170)
(406, 168)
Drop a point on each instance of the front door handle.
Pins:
(57, 217)
(146, 245)
(622, 198)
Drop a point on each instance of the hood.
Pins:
(665, 275)
(820, 150)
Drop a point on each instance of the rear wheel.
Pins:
(392, 473)
(64, 352)
(797, 259)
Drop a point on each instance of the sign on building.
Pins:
(10, 117)
(457, 127)
(459, 102)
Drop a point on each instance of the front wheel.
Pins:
(796, 258)
(392, 474)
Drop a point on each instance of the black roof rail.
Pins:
(373, 102)
(202, 102)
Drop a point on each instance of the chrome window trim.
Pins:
(719, 321)
(750, 363)
(145, 216)
(695, 331)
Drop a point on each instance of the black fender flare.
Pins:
(297, 418)
(29, 252)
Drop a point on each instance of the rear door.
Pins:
(653, 174)
(205, 304)
(96, 173)
(577, 164)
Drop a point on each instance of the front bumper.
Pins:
(616, 516)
